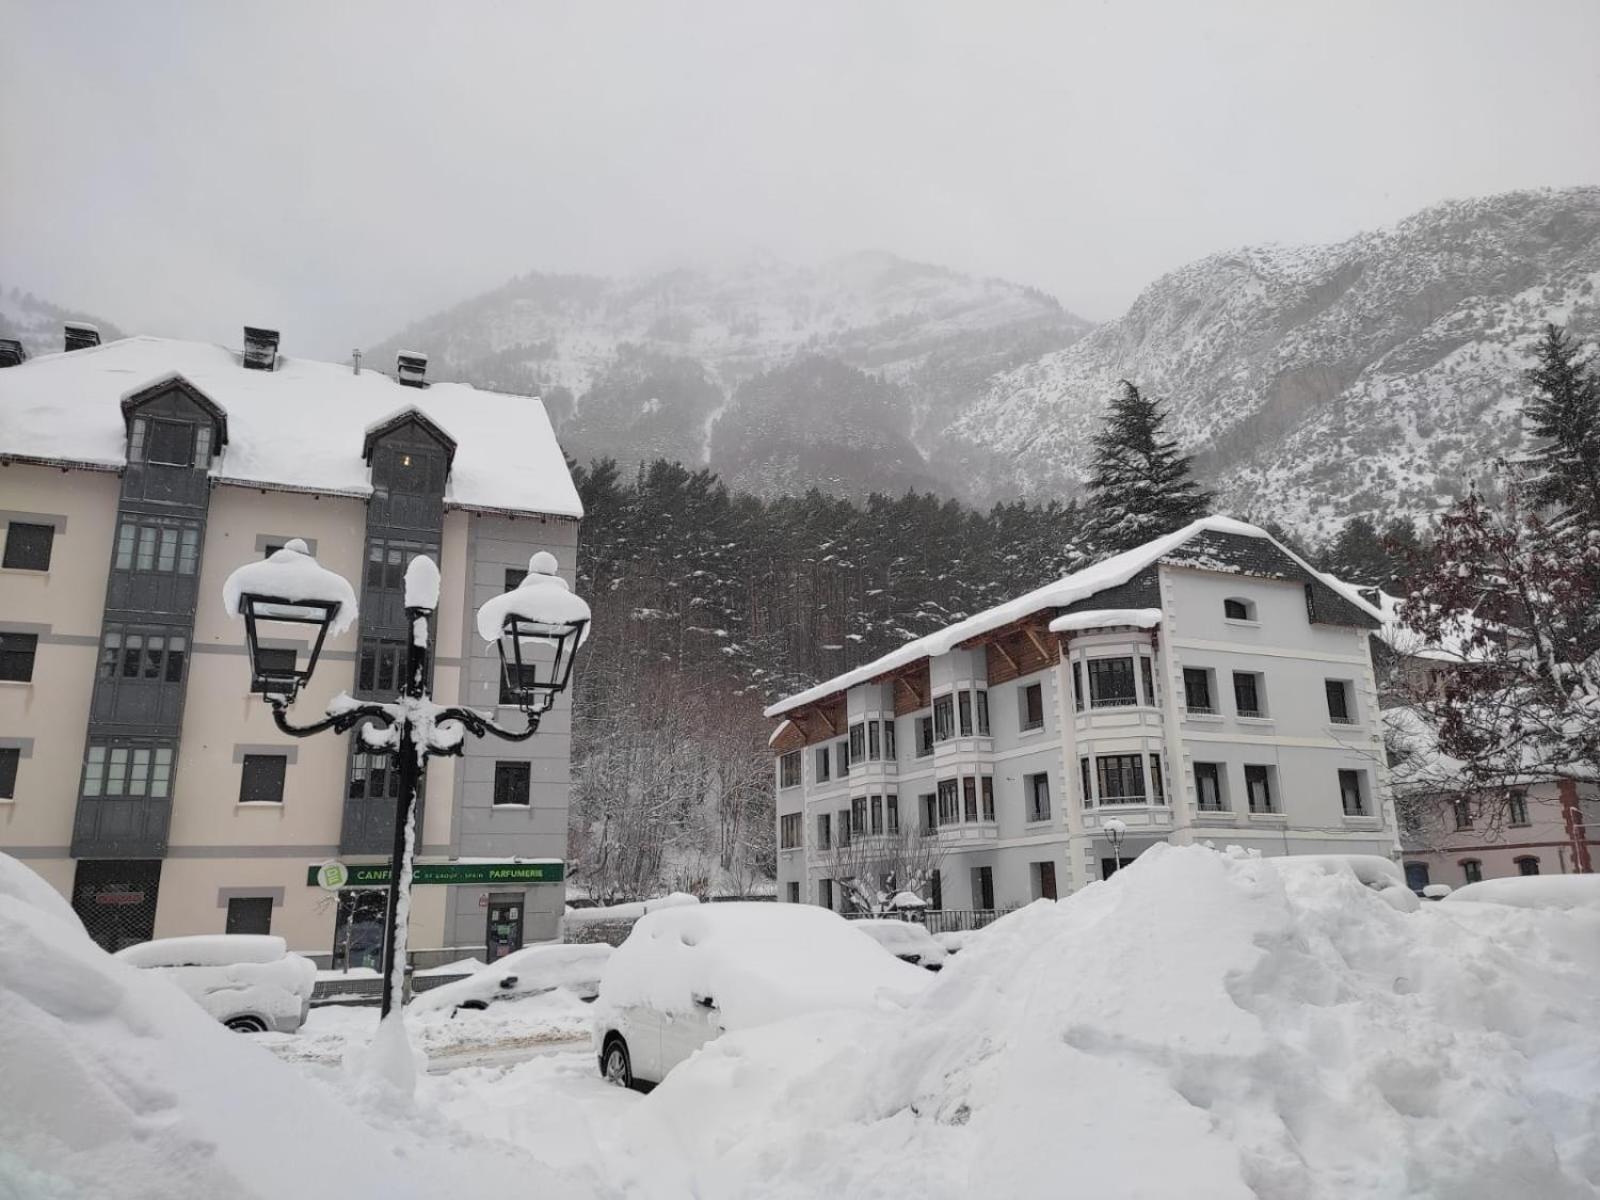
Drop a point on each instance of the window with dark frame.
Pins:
(924, 736)
(28, 546)
(1031, 698)
(986, 792)
(858, 743)
(888, 741)
(1084, 782)
(822, 764)
(825, 893)
(949, 802)
(877, 814)
(841, 758)
(1352, 794)
(17, 652)
(1237, 610)
(1472, 870)
(1197, 690)
(381, 666)
(874, 740)
(1463, 814)
(169, 443)
(841, 827)
(388, 558)
(1247, 693)
(980, 703)
(120, 768)
(1045, 875)
(1208, 787)
(1120, 778)
(1338, 702)
(944, 724)
(372, 779)
(162, 545)
(789, 770)
(1037, 789)
(964, 713)
(1147, 679)
(1158, 784)
(262, 777)
(1517, 808)
(930, 812)
(1111, 683)
(969, 799)
(513, 784)
(792, 890)
(858, 816)
(1528, 866)
(789, 839)
(824, 831)
(891, 813)
(1258, 788)
(10, 760)
(249, 914)
(1077, 686)
(514, 577)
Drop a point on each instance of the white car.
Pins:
(687, 975)
(527, 972)
(906, 940)
(248, 981)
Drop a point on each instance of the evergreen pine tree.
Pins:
(1564, 414)
(1140, 487)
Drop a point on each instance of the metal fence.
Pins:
(938, 920)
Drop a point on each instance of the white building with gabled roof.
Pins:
(1208, 686)
(138, 773)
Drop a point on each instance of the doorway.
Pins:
(504, 933)
(116, 901)
(358, 929)
(1416, 876)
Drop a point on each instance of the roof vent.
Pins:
(260, 348)
(11, 353)
(411, 368)
(81, 335)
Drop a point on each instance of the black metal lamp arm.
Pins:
(340, 722)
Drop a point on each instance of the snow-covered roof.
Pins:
(1080, 585)
(1105, 618)
(300, 426)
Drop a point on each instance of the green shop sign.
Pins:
(367, 875)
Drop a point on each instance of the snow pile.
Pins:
(631, 911)
(292, 574)
(904, 939)
(112, 1087)
(206, 950)
(757, 963)
(1535, 891)
(523, 973)
(1200, 1025)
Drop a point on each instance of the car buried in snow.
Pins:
(685, 976)
(250, 982)
(906, 940)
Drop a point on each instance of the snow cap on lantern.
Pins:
(537, 626)
(287, 588)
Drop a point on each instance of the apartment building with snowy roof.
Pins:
(1209, 686)
(138, 774)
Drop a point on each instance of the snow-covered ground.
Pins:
(1203, 1024)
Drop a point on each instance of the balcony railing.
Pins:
(1114, 702)
(1204, 710)
(1338, 720)
(1254, 713)
(1109, 801)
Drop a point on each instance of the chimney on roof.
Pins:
(411, 368)
(80, 335)
(11, 353)
(260, 348)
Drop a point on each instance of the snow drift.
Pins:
(1201, 1025)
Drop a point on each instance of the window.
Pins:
(274, 661)
(1121, 778)
(169, 443)
(858, 743)
(1030, 703)
(824, 831)
(789, 839)
(924, 736)
(825, 893)
(1258, 788)
(1238, 610)
(110, 770)
(1472, 870)
(858, 816)
(841, 758)
(513, 784)
(949, 802)
(1158, 784)
(983, 887)
(874, 740)
(986, 789)
(888, 741)
(514, 578)
(17, 652)
(387, 559)
(1527, 866)
(1352, 794)
(936, 891)
(1147, 679)
(964, 713)
(980, 701)
(249, 914)
(1208, 787)
(28, 546)
(261, 781)
(1463, 812)
(1083, 782)
(822, 764)
(1517, 808)
(1111, 683)
(877, 814)
(1036, 790)
(1197, 690)
(841, 826)
(371, 778)
(10, 758)
(891, 813)
(943, 719)
(969, 796)
(1247, 694)
(166, 545)
(930, 812)
(1339, 710)
(792, 891)
(789, 770)
(1077, 686)
(1044, 880)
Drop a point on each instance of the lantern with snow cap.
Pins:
(289, 589)
(538, 626)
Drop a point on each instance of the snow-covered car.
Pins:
(906, 940)
(687, 975)
(526, 972)
(1564, 892)
(248, 981)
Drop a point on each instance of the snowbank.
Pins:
(1534, 891)
(757, 962)
(1200, 1025)
(522, 973)
(903, 939)
(629, 912)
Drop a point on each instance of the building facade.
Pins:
(138, 774)
(1542, 828)
(1206, 687)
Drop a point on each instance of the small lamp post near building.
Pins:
(537, 626)
(1115, 830)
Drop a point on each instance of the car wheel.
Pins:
(615, 1064)
(246, 1024)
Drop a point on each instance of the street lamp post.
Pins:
(1115, 830)
(538, 627)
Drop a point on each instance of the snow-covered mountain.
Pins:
(636, 368)
(37, 323)
(1377, 375)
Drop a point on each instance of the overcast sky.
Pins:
(337, 169)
